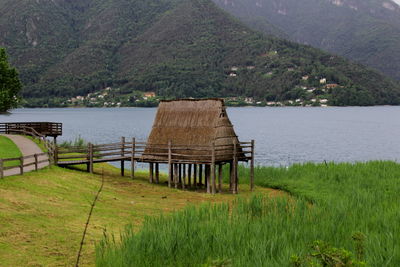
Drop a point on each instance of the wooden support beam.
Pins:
(220, 167)
(195, 176)
(157, 173)
(133, 158)
(212, 167)
(252, 167)
(231, 176)
(151, 172)
(122, 155)
(176, 175)
(207, 178)
(170, 171)
(190, 175)
(200, 175)
(36, 162)
(183, 175)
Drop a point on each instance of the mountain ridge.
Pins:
(175, 48)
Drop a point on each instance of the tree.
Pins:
(10, 85)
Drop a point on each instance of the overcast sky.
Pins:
(397, 1)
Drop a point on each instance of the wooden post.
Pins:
(1, 168)
(157, 173)
(200, 174)
(176, 175)
(183, 175)
(21, 166)
(190, 175)
(231, 176)
(170, 174)
(133, 158)
(180, 173)
(207, 178)
(220, 178)
(235, 163)
(36, 161)
(195, 176)
(122, 156)
(151, 172)
(55, 154)
(252, 167)
(90, 157)
(213, 183)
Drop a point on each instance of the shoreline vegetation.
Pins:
(348, 213)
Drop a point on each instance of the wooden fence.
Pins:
(53, 129)
(23, 163)
(176, 156)
(50, 148)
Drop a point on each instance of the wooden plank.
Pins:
(183, 175)
(213, 184)
(195, 176)
(176, 175)
(21, 166)
(190, 175)
(151, 172)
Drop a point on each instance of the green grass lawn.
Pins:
(332, 203)
(9, 150)
(43, 214)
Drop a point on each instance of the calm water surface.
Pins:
(283, 135)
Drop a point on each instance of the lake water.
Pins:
(283, 136)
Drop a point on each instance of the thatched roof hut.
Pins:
(193, 126)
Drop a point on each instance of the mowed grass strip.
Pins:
(43, 213)
(9, 150)
(332, 203)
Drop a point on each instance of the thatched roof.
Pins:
(190, 123)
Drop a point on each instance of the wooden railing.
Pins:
(23, 163)
(43, 128)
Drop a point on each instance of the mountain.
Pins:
(365, 31)
(177, 48)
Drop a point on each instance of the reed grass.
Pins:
(331, 202)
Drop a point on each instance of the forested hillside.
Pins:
(175, 48)
(366, 31)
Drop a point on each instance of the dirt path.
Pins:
(27, 148)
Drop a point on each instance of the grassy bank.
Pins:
(332, 203)
(8, 150)
(42, 214)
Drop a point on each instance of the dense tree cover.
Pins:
(10, 85)
(364, 31)
(176, 48)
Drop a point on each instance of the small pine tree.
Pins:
(10, 85)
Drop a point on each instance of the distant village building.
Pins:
(322, 81)
(249, 100)
(234, 68)
(149, 94)
(232, 74)
(305, 78)
(331, 85)
(251, 67)
(323, 101)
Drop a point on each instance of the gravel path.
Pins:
(27, 148)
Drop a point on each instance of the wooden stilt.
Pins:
(180, 173)
(212, 169)
(195, 176)
(176, 175)
(200, 175)
(183, 175)
(170, 169)
(157, 173)
(190, 175)
(207, 178)
(220, 167)
(231, 176)
(151, 172)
